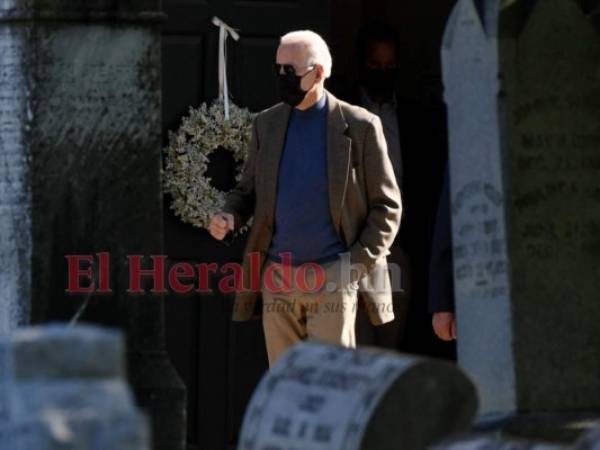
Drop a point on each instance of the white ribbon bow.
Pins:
(224, 31)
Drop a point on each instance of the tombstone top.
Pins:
(58, 351)
(138, 10)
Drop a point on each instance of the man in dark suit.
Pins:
(415, 131)
(377, 72)
(441, 280)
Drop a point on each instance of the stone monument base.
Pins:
(560, 428)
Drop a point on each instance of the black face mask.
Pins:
(379, 82)
(289, 89)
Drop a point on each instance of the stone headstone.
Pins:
(523, 94)
(80, 157)
(589, 441)
(493, 443)
(325, 397)
(65, 388)
(15, 189)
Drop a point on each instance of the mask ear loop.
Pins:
(302, 76)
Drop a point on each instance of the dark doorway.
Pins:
(221, 361)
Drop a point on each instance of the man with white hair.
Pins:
(321, 188)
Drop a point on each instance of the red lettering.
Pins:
(136, 273)
(177, 271)
(75, 273)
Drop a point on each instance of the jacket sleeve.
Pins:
(441, 281)
(240, 200)
(383, 199)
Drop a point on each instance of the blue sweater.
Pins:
(303, 224)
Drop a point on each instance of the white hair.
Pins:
(315, 46)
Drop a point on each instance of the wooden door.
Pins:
(219, 361)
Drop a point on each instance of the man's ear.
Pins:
(320, 73)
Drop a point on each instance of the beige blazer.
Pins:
(364, 199)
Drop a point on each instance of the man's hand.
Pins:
(220, 224)
(444, 325)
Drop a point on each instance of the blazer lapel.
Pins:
(273, 148)
(338, 158)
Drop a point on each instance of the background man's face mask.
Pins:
(289, 87)
(379, 82)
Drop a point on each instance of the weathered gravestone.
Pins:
(590, 440)
(80, 157)
(65, 389)
(326, 397)
(522, 86)
(475, 442)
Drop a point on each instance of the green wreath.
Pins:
(202, 131)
